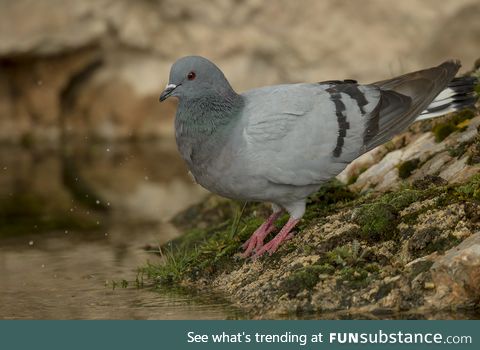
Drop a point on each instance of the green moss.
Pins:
(205, 252)
(355, 176)
(443, 130)
(477, 89)
(457, 151)
(332, 192)
(461, 116)
(427, 241)
(304, 278)
(355, 277)
(406, 168)
(377, 221)
(349, 254)
(329, 197)
(401, 199)
(372, 268)
(471, 189)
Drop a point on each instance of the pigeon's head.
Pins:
(195, 77)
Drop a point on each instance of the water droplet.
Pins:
(39, 82)
(98, 222)
(66, 231)
(97, 201)
(108, 149)
(106, 234)
(30, 243)
(43, 265)
(5, 168)
(108, 204)
(146, 178)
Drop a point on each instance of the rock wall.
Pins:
(95, 68)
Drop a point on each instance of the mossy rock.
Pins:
(471, 189)
(354, 277)
(326, 199)
(377, 221)
(401, 199)
(429, 181)
(330, 193)
(443, 130)
(406, 168)
(474, 153)
(304, 278)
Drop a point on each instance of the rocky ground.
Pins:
(397, 234)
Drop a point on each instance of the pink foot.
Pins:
(281, 237)
(255, 241)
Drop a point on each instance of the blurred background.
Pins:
(89, 172)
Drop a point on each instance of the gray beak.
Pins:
(167, 92)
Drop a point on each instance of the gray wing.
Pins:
(304, 134)
(301, 134)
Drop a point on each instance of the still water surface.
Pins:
(57, 268)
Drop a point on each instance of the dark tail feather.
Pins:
(405, 97)
(460, 94)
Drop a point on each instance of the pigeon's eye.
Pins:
(191, 76)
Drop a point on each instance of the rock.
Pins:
(34, 107)
(384, 174)
(454, 160)
(362, 163)
(137, 41)
(121, 101)
(456, 275)
(45, 28)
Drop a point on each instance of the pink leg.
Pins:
(255, 241)
(281, 237)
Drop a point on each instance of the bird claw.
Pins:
(272, 246)
(255, 242)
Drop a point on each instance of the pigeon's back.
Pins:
(291, 131)
(304, 134)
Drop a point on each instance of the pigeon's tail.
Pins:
(459, 94)
(403, 98)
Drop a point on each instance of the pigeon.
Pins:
(279, 144)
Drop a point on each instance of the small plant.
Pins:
(443, 130)
(406, 168)
(236, 219)
(304, 278)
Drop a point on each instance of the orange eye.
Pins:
(191, 76)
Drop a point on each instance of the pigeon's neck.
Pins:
(207, 116)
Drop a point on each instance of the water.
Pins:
(75, 224)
